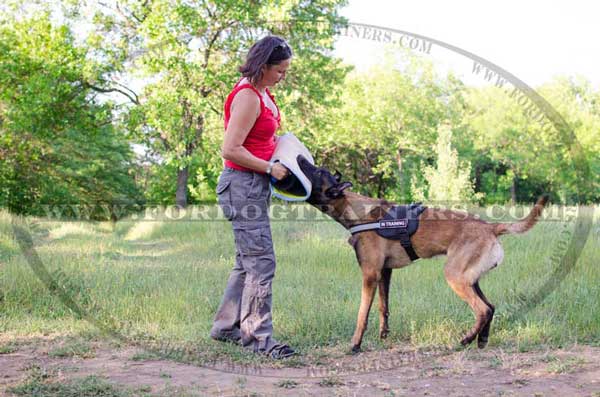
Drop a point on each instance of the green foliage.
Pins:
(387, 125)
(579, 104)
(510, 144)
(191, 53)
(57, 143)
(64, 141)
(448, 181)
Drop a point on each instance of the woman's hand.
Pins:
(279, 171)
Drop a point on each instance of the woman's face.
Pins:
(273, 74)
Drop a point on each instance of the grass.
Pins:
(287, 384)
(75, 348)
(568, 365)
(159, 283)
(8, 348)
(145, 356)
(89, 386)
(330, 382)
(43, 383)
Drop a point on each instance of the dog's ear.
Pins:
(337, 191)
(337, 176)
(377, 213)
(381, 209)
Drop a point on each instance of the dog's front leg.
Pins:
(370, 279)
(384, 293)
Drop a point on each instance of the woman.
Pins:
(251, 119)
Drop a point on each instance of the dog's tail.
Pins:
(524, 225)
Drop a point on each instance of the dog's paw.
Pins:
(355, 349)
(384, 333)
(467, 340)
(482, 342)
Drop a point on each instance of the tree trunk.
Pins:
(513, 190)
(181, 194)
(401, 182)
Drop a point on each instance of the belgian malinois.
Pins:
(471, 245)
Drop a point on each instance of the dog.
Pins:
(471, 245)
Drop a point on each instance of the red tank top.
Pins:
(260, 141)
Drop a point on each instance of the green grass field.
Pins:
(161, 282)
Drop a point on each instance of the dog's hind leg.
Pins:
(370, 279)
(482, 337)
(464, 287)
(384, 291)
(488, 262)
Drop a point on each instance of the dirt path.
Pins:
(397, 372)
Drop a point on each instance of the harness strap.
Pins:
(405, 241)
(364, 227)
(404, 237)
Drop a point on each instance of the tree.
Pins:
(579, 104)
(448, 181)
(386, 126)
(57, 143)
(527, 156)
(190, 52)
(499, 129)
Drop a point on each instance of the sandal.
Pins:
(282, 352)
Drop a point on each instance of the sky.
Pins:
(534, 40)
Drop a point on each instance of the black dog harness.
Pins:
(399, 223)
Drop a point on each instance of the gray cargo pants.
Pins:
(245, 310)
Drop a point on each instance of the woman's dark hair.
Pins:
(270, 50)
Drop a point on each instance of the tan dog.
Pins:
(472, 247)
